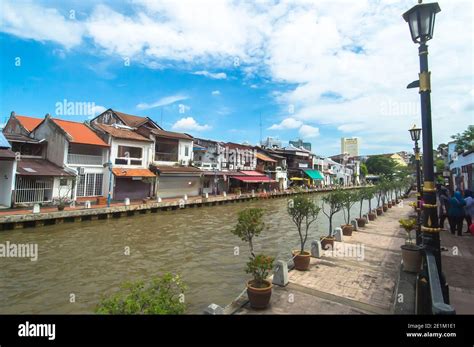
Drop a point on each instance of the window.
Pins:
(166, 149)
(90, 184)
(63, 182)
(127, 155)
(186, 151)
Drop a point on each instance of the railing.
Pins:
(84, 159)
(431, 297)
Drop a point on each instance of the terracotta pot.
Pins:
(397, 201)
(379, 211)
(361, 222)
(385, 208)
(347, 229)
(61, 207)
(259, 297)
(411, 257)
(389, 205)
(371, 216)
(301, 260)
(327, 242)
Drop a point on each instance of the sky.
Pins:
(240, 70)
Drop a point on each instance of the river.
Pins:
(88, 259)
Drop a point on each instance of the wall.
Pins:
(176, 186)
(7, 181)
(181, 151)
(147, 148)
(57, 147)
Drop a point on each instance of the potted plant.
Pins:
(334, 201)
(259, 290)
(369, 195)
(411, 254)
(249, 225)
(303, 212)
(349, 198)
(62, 200)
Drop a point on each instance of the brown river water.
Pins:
(88, 259)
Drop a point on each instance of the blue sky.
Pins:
(213, 69)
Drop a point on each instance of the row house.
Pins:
(274, 166)
(208, 157)
(7, 172)
(157, 161)
(350, 174)
(38, 179)
(461, 168)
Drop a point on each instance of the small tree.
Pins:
(303, 212)
(259, 266)
(408, 225)
(365, 194)
(334, 201)
(349, 199)
(162, 295)
(250, 224)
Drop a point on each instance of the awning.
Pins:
(314, 174)
(164, 170)
(266, 158)
(253, 179)
(251, 173)
(40, 167)
(123, 172)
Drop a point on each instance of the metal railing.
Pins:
(84, 159)
(431, 297)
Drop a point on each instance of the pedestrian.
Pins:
(443, 204)
(469, 209)
(456, 213)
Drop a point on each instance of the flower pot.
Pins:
(61, 207)
(384, 208)
(371, 216)
(389, 205)
(379, 211)
(411, 257)
(361, 222)
(301, 260)
(259, 297)
(327, 242)
(397, 201)
(347, 229)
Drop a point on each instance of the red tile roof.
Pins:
(124, 172)
(80, 133)
(121, 133)
(29, 123)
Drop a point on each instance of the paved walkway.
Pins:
(353, 284)
(458, 267)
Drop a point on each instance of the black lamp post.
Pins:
(421, 19)
(415, 134)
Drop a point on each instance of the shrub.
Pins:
(161, 295)
(303, 212)
(250, 224)
(259, 266)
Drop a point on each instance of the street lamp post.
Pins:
(109, 197)
(421, 19)
(415, 136)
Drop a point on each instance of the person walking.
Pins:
(456, 213)
(443, 204)
(469, 209)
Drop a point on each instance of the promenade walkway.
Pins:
(363, 283)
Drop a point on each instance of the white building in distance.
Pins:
(350, 146)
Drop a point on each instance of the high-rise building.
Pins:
(301, 143)
(350, 145)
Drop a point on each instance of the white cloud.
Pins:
(167, 100)
(360, 50)
(189, 124)
(308, 132)
(287, 123)
(213, 75)
(216, 92)
(28, 20)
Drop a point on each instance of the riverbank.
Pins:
(25, 218)
(338, 283)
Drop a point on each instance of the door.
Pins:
(130, 188)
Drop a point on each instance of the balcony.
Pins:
(84, 159)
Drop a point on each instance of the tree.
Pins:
(162, 295)
(303, 212)
(365, 194)
(465, 140)
(334, 201)
(249, 224)
(381, 165)
(349, 198)
(363, 170)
